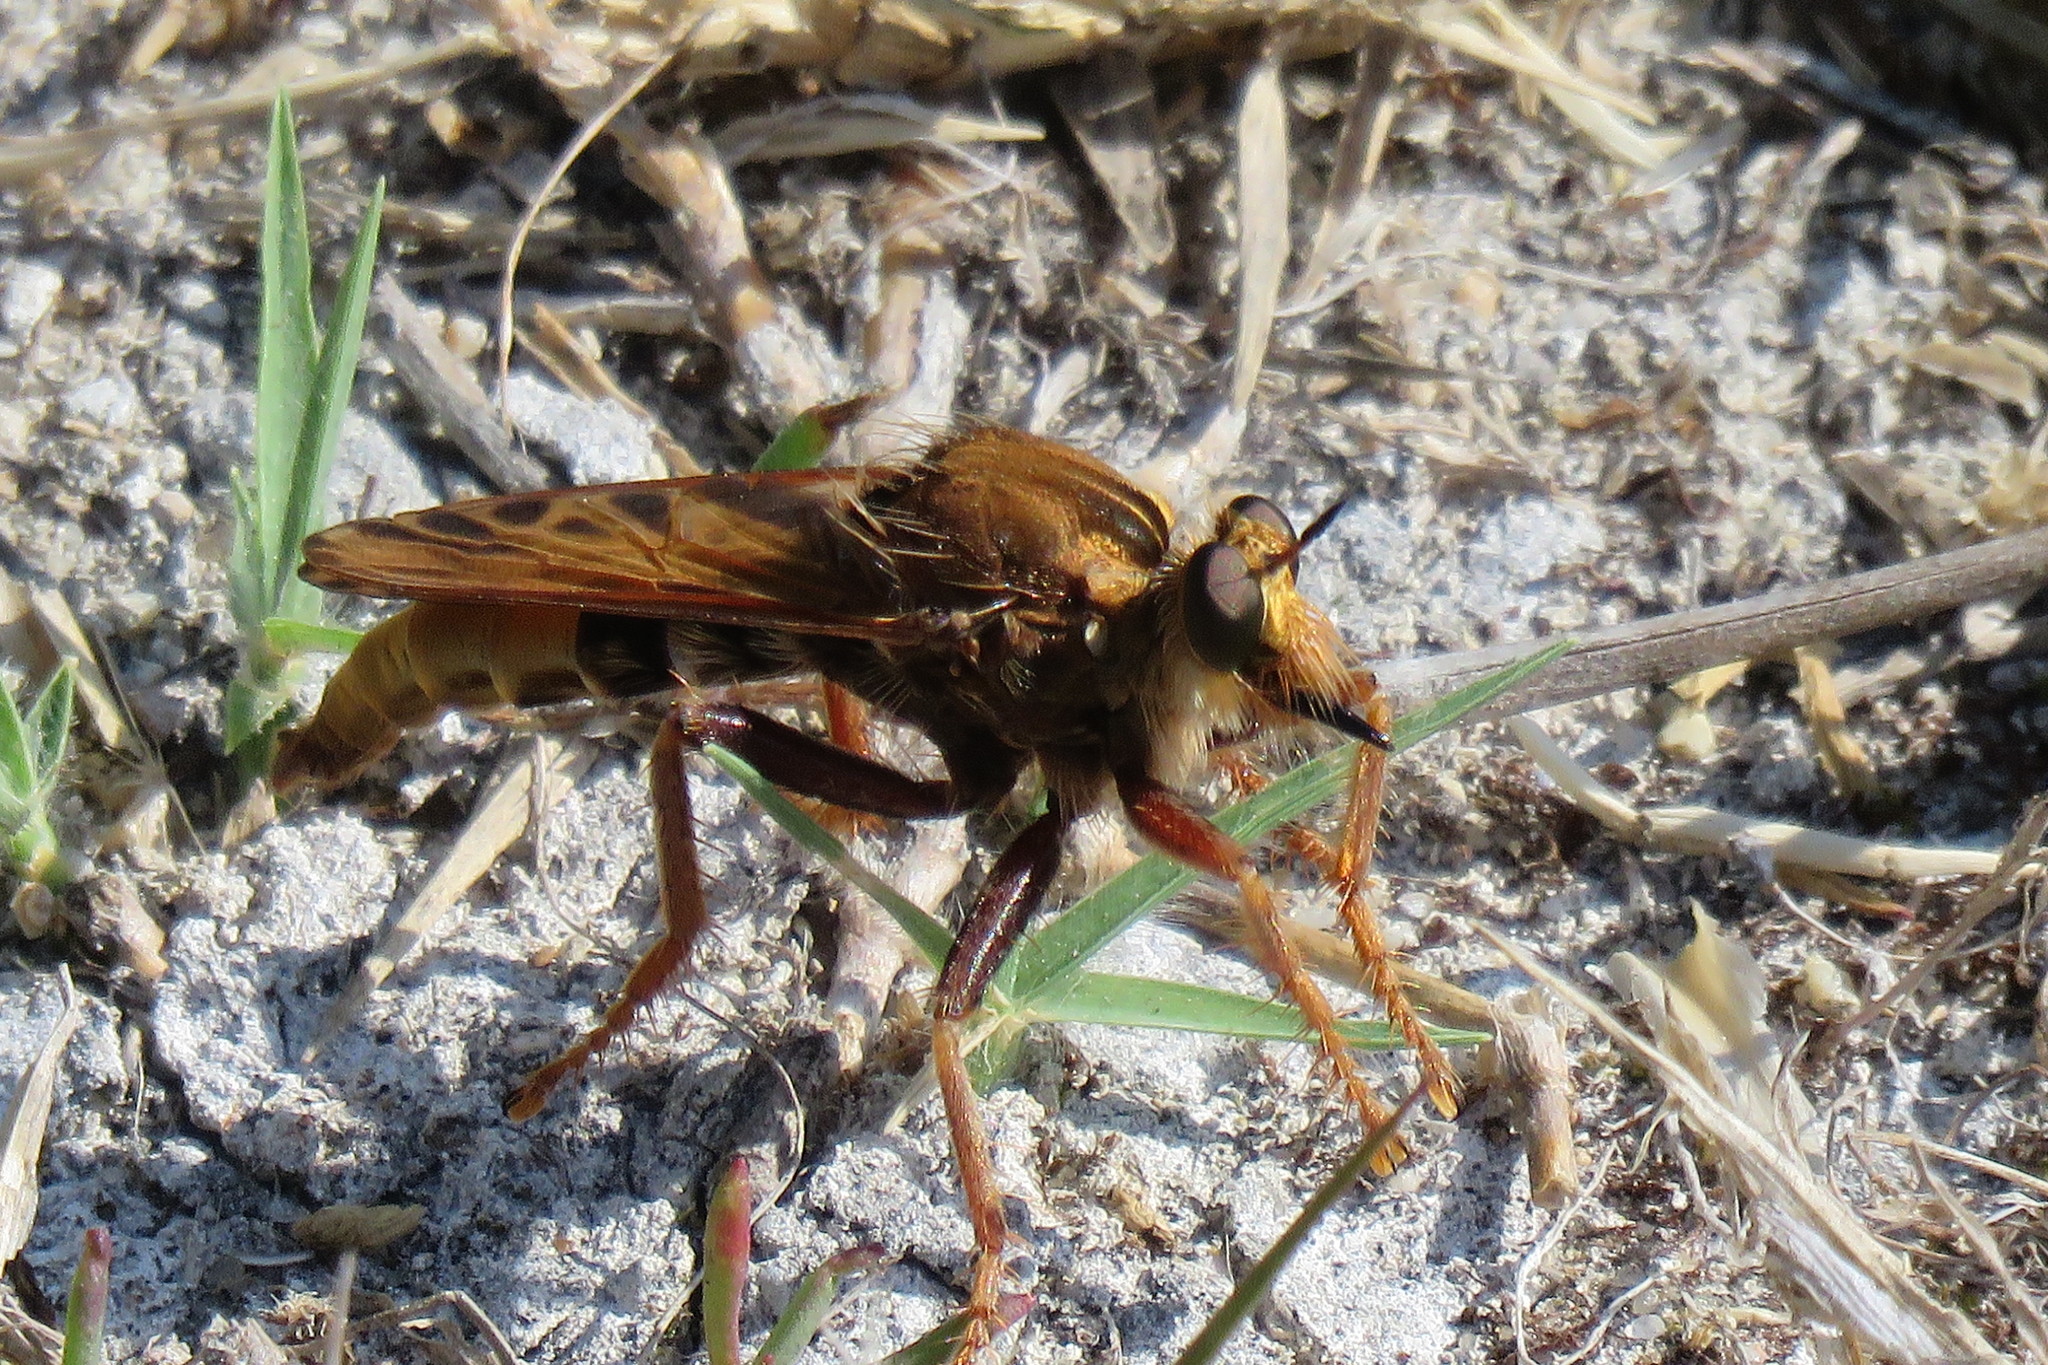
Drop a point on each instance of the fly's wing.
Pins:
(781, 551)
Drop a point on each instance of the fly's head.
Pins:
(1242, 615)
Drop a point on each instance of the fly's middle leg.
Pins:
(801, 763)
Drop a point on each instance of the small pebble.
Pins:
(27, 293)
(173, 508)
(466, 335)
(195, 299)
(1688, 736)
(1648, 1327)
(108, 403)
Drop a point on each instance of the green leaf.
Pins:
(803, 443)
(1141, 1002)
(791, 1335)
(18, 774)
(288, 635)
(333, 381)
(49, 724)
(285, 359)
(250, 711)
(933, 1348)
(1092, 923)
(249, 566)
(31, 754)
(931, 938)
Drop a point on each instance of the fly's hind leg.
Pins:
(1016, 886)
(683, 917)
(789, 758)
(1176, 829)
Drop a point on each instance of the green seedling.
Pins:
(728, 1242)
(85, 1311)
(303, 380)
(32, 747)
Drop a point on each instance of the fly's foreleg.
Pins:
(1015, 887)
(1376, 965)
(1169, 824)
(1344, 867)
(789, 758)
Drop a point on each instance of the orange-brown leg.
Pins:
(1173, 827)
(1345, 868)
(683, 917)
(787, 757)
(1015, 887)
(846, 725)
(1376, 964)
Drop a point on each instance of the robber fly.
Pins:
(1015, 600)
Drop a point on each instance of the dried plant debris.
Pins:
(1722, 1071)
(1605, 322)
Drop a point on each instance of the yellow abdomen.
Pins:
(428, 657)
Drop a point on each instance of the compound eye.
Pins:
(1224, 605)
(1255, 508)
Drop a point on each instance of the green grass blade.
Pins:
(1092, 923)
(1077, 935)
(333, 381)
(284, 364)
(931, 938)
(49, 725)
(1445, 712)
(1141, 1002)
(288, 635)
(1208, 1344)
(728, 1242)
(791, 1335)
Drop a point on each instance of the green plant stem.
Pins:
(32, 851)
(728, 1242)
(1258, 1281)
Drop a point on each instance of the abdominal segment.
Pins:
(434, 655)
